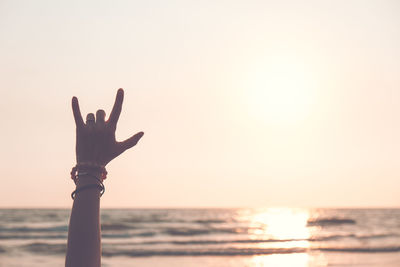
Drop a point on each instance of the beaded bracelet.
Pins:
(89, 166)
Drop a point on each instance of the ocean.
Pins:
(211, 237)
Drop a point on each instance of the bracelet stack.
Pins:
(89, 169)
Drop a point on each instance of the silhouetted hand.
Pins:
(95, 139)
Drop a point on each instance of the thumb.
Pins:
(132, 141)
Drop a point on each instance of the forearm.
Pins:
(84, 236)
(96, 146)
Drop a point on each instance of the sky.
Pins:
(243, 103)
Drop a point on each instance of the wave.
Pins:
(354, 236)
(186, 232)
(362, 249)
(113, 250)
(106, 236)
(202, 252)
(62, 228)
(45, 248)
(27, 237)
(242, 251)
(330, 221)
(155, 220)
(205, 227)
(130, 235)
(52, 237)
(209, 221)
(116, 226)
(203, 231)
(252, 241)
(210, 242)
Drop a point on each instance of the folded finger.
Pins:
(90, 121)
(100, 115)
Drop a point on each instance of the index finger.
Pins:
(77, 113)
(116, 111)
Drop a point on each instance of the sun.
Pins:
(280, 93)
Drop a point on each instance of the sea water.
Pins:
(211, 237)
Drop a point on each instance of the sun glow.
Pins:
(281, 92)
(283, 224)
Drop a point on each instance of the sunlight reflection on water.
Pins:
(281, 223)
(298, 260)
(285, 260)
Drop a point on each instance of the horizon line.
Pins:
(208, 207)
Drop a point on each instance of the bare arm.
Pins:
(95, 144)
(84, 240)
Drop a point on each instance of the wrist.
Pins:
(85, 178)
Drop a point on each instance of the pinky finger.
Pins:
(77, 113)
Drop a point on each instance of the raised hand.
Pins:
(95, 139)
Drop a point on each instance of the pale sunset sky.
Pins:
(243, 103)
